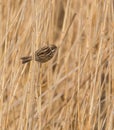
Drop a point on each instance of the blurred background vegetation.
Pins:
(75, 89)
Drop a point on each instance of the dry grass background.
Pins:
(74, 90)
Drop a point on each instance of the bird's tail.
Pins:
(26, 59)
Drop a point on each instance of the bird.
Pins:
(42, 55)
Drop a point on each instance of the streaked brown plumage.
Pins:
(42, 55)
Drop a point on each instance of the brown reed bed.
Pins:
(75, 89)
